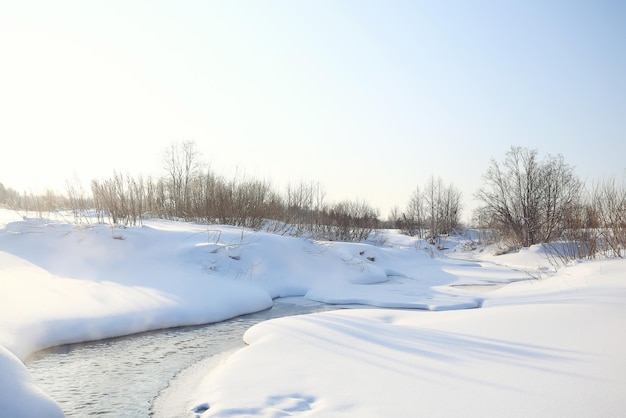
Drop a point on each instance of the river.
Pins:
(122, 377)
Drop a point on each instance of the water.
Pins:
(121, 377)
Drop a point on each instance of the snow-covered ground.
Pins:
(548, 347)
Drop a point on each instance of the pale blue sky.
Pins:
(369, 98)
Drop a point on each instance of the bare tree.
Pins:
(526, 198)
(450, 209)
(609, 202)
(349, 221)
(305, 204)
(437, 209)
(181, 162)
(432, 201)
(561, 195)
(394, 219)
(78, 201)
(413, 218)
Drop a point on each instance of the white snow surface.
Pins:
(486, 339)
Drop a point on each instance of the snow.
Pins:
(560, 354)
(486, 339)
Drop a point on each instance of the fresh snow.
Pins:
(548, 349)
(486, 339)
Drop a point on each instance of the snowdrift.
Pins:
(62, 283)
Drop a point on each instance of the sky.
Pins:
(368, 98)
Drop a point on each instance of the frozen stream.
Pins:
(121, 377)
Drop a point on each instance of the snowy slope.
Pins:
(541, 349)
(62, 283)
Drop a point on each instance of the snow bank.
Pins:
(62, 283)
(556, 349)
(19, 397)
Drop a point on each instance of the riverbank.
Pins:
(133, 370)
(64, 283)
(174, 400)
(547, 348)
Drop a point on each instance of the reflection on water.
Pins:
(121, 377)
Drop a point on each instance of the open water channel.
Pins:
(122, 377)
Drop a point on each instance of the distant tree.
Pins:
(561, 195)
(78, 200)
(10, 197)
(436, 210)
(609, 207)
(432, 201)
(449, 209)
(3, 194)
(304, 207)
(348, 221)
(413, 218)
(526, 198)
(394, 219)
(181, 162)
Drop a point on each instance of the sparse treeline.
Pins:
(525, 201)
(207, 197)
(192, 193)
(595, 224)
(31, 202)
(528, 201)
(246, 203)
(431, 212)
(126, 200)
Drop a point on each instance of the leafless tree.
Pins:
(437, 209)
(526, 198)
(305, 203)
(609, 202)
(78, 201)
(432, 203)
(348, 221)
(181, 162)
(450, 209)
(414, 217)
(394, 219)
